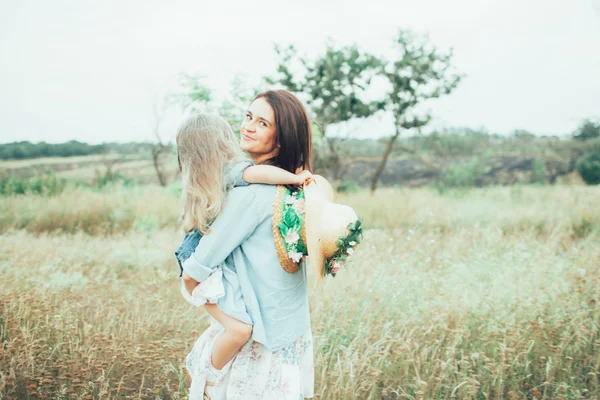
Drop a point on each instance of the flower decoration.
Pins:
(292, 237)
(346, 247)
(335, 267)
(292, 223)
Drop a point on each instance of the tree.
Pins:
(419, 73)
(159, 147)
(589, 168)
(334, 85)
(234, 107)
(587, 130)
(523, 134)
(193, 95)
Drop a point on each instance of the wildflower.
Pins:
(350, 251)
(352, 243)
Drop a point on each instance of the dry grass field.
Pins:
(484, 294)
(137, 168)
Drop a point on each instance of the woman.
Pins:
(277, 131)
(277, 362)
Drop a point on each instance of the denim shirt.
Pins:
(190, 241)
(256, 286)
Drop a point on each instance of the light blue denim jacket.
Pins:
(256, 286)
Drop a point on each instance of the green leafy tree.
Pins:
(523, 134)
(25, 149)
(193, 94)
(234, 106)
(587, 130)
(419, 72)
(334, 85)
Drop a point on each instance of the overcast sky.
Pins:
(91, 70)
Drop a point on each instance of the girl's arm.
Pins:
(236, 221)
(273, 175)
(189, 282)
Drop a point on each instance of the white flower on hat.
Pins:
(291, 237)
(350, 251)
(295, 256)
(298, 206)
(290, 200)
(352, 243)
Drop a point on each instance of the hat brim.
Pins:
(325, 187)
(316, 195)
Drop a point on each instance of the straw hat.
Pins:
(331, 229)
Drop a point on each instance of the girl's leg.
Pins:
(229, 342)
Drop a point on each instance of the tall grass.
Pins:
(112, 210)
(489, 294)
(549, 210)
(119, 209)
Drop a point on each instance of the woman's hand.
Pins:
(304, 176)
(189, 282)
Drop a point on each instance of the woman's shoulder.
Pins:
(262, 192)
(254, 199)
(256, 193)
(239, 196)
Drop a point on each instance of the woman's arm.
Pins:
(273, 175)
(236, 221)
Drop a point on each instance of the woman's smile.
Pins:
(247, 137)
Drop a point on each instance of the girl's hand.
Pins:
(304, 177)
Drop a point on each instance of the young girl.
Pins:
(206, 178)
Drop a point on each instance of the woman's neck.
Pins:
(261, 158)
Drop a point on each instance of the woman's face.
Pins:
(258, 132)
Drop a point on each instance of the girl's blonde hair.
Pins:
(206, 147)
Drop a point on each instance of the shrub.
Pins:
(589, 168)
(45, 183)
(540, 172)
(347, 187)
(109, 177)
(462, 174)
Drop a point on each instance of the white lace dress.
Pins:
(255, 372)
